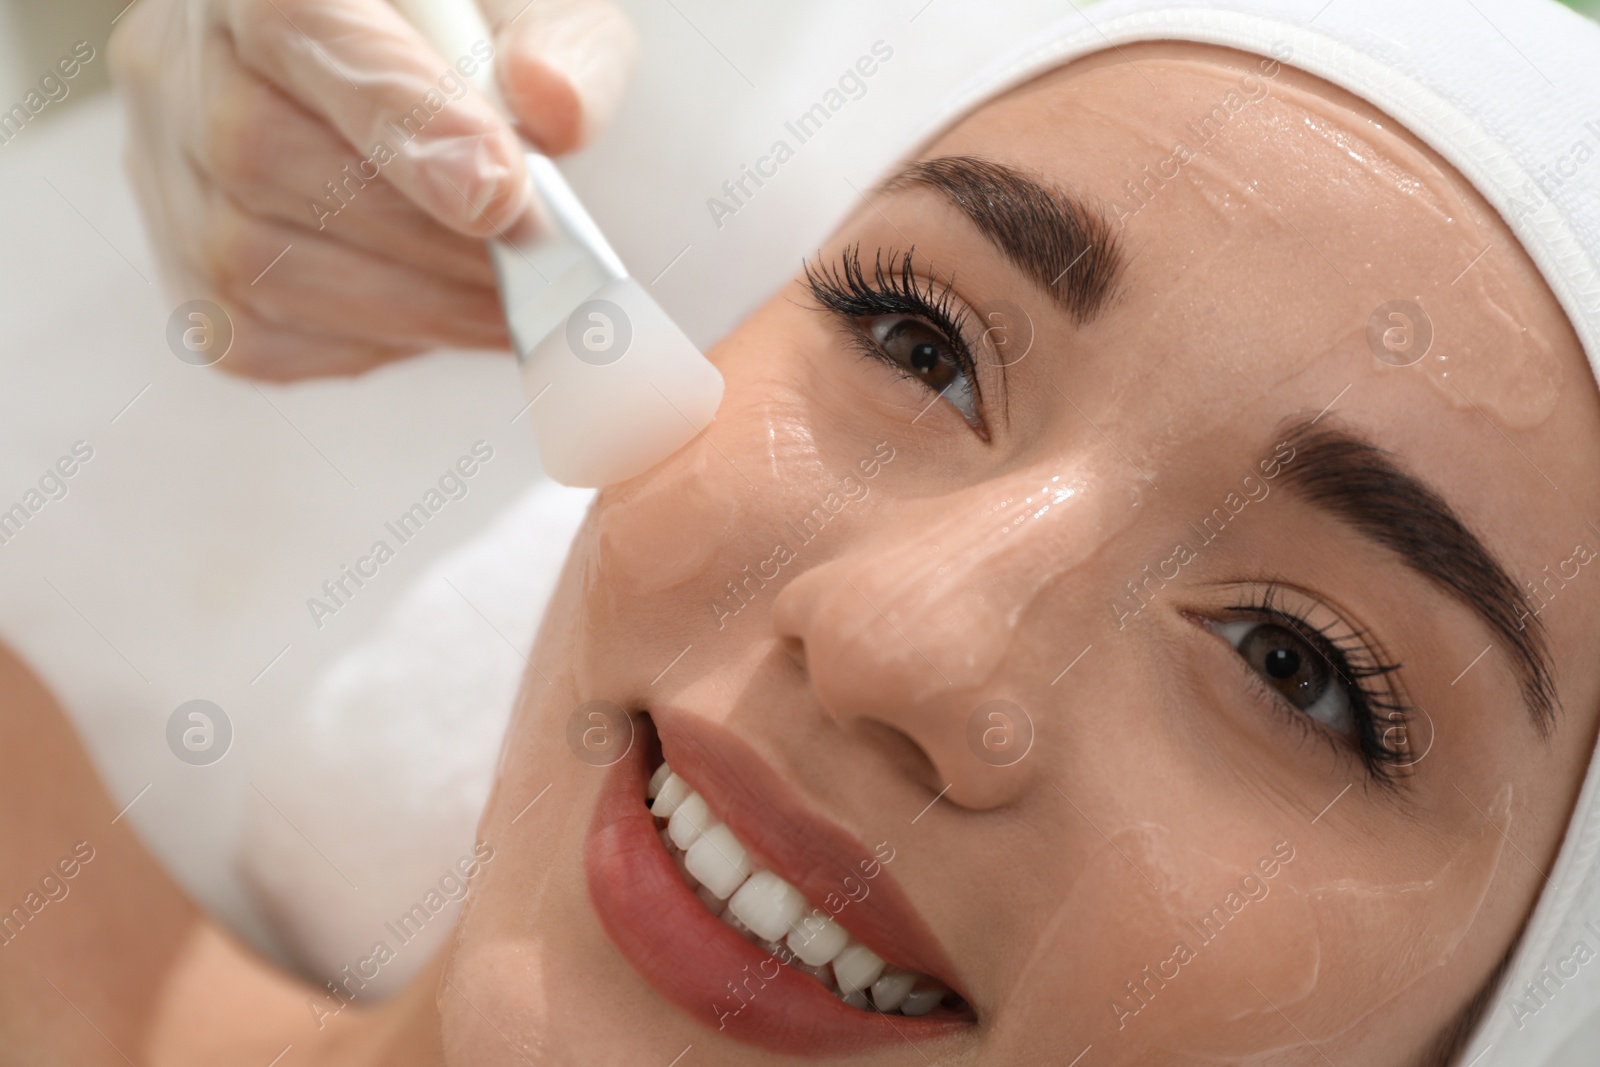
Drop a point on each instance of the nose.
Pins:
(920, 626)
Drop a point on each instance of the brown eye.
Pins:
(920, 349)
(1294, 668)
(927, 355)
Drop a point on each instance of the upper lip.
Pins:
(806, 850)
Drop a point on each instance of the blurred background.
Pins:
(33, 32)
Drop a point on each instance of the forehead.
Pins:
(1262, 205)
(1279, 229)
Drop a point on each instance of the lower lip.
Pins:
(695, 960)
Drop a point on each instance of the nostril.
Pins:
(795, 649)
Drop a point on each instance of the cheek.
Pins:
(665, 546)
(1162, 948)
(715, 499)
(664, 528)
(1156, 942)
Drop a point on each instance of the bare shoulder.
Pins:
(103, 957)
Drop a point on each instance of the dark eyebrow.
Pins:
(1360, 484)
(1057, 239)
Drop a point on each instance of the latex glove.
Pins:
(243, 111)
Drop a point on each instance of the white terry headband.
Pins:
(1509, 92)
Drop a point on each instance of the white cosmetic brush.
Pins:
(615, 385)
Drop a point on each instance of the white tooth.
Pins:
(709, 899)
(689, 820)
(856, 967)
(718, 861)
(657, 779)
(677, 857)
(856, 999)
(921, 1001)
(734, 921)
(768, 905)
(673, 792)
(816, 939)
(890, 991)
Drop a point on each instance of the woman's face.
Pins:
(1129, 610)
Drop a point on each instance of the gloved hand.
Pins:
(321, 172)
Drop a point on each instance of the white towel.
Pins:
(376, 783)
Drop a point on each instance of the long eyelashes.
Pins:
(844, 288)
(1379, 717)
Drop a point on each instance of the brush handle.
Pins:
(453, 27)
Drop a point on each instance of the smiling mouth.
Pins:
(720, 917)
(773, 915)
